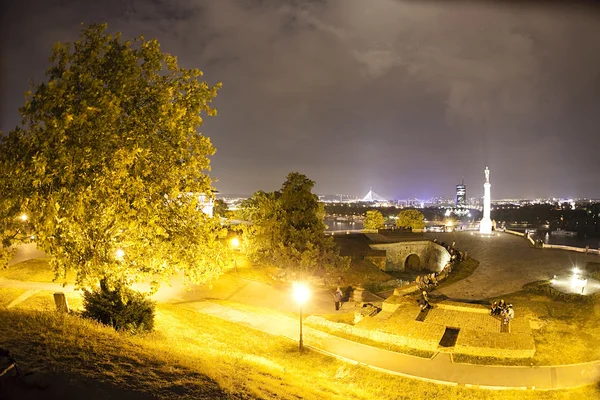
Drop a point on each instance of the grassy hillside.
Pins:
(194, 356)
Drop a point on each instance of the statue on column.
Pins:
(487, 175)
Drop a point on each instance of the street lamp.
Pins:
(119, 254)
(235, 243)
(23, 217)
(301, 295)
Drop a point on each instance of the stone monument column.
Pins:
(485, 226)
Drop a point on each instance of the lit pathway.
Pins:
(440, 369)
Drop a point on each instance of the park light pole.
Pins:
(235, 243)
(301, 295)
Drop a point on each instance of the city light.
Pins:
(119, 254)
(24, 217)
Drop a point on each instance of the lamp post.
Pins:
(301, 294)
(235, 243)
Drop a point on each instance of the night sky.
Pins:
(406, 97)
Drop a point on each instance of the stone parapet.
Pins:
(500, 345)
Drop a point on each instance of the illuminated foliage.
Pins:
(288, 229)
(410, 219)
(221, 209)
(108, 163)
(374, 220)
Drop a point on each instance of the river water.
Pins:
(333, 226)
(575, 241)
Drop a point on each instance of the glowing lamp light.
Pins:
(119, 254)
(575, 271)
(235, 242)
(24, 217)
(301, 293)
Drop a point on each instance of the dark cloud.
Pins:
(403, 96)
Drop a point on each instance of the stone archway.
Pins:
(412, 262)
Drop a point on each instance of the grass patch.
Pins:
(9, 294)
(364, 273)
(342, 318)
(193, 356)
(42, 300)
(564, 332)
(463, 270)
(247, 269)
(372, 343)
(34, 270)
(467, 359)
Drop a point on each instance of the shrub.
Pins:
(121, 307)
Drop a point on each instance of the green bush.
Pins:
(121, 308)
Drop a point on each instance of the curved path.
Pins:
(439, 369)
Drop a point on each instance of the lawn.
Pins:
(461, 271)
(564, 333)
(194, 356)
(7, 295)
(34, 270)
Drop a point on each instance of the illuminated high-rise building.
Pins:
(461, 194)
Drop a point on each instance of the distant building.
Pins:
(207, 204)
(461, 194)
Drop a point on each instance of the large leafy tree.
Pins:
(374, 220)
(287, 228)
(410, 219)
(108, 163)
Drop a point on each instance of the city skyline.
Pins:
(396, 95)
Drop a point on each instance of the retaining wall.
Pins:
(571, 248)
(417, 335)
(500, 345)
(432, 256)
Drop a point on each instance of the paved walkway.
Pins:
(506, 263)
(439, 369)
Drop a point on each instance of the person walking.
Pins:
(337, 298)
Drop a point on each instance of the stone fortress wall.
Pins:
(431, 256)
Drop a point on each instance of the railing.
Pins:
(514, 233)
(571, 248)
(556, 246)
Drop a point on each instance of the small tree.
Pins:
(287, 228)
(119, 307)
(410, 219)
(374, 220)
